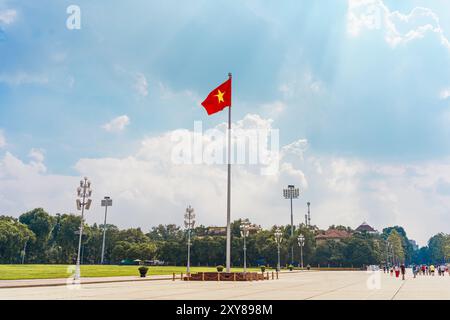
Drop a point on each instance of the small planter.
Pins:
(291, 267)
(143, 271)
(263, 268)
(219, 268)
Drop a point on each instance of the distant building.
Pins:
(253, 229)
(222, 231)
(216, 231)
(333, 235)
(414, 244)
(365, 228)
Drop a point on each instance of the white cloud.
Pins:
(117, 124)
(37, 155)
(363, 14)
(148, 188)
(7, 16)
(21, 78)
(445, 93)
(302, 85)
(156, 190)
(12, 168)
(398, 27)
(167, 93)
(296, 148)
(141, 85)
(274, 109)
(25, 186)
(2, 139)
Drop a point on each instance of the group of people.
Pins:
(397, 269)
(430, 270)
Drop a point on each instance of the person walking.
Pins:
(403, 270)
(432, 270)
(442, 269)
(415, 270)
(397, 271)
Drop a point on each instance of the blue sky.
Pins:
(357, 91)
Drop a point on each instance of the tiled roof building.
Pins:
(332, 234)
(364, 227)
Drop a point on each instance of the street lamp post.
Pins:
(24, 251)
(301, 243)
(291, 193)
(387, 253)
(309, 214)
(245, 226)
(106, 202)
(278, 237)
(394, 260)
(84, 192)
(189, 223)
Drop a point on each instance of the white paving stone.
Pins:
(329, 285)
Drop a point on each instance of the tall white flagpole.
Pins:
(228, 259)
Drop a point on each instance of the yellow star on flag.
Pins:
(219, 96)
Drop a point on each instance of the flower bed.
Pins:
(225, 276)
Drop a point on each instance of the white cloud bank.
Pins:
(117, 124)
(141, 85)
(445, 93)
(398, 27)
(148, 188)
(2, 139)
(23, 78)
(7, 16)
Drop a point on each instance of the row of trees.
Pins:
(37, 237)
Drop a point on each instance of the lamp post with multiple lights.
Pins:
(291, 193)
(245, 226)
(278, 238)
(189, 223)
(308, 221)
(301, 243)
(106, 202)
(84, 192)
(393, 258)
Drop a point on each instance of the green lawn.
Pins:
(44, 271)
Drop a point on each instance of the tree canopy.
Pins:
(39, 237)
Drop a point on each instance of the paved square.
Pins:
(297, 286)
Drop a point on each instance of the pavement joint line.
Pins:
(293, 286)
(259, 291)
(31, 285)
(398, 290)
(333, 290)
(85, 283)
(248, 283)
(191, 292)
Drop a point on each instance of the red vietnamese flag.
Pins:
(219, 98)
